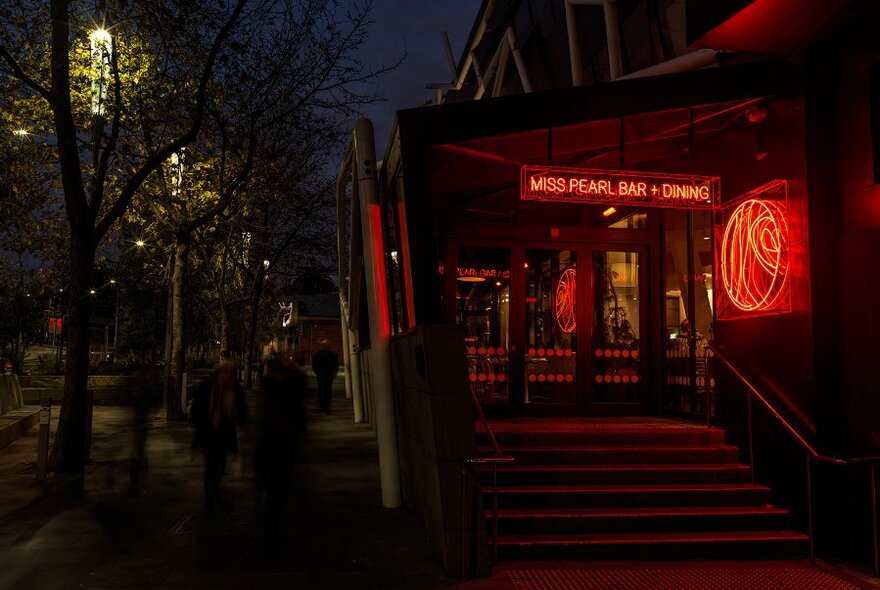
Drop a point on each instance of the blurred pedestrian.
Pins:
(280, 430)
(145, 395)
(325, 364)
(218, 412)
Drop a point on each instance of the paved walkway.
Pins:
(100, 531)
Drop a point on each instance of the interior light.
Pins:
(471, 279)
(609, 211)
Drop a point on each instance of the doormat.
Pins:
(677, 579)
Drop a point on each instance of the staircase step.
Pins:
(684, 436)
(617, 454)
(640, 519)
(670, 545)
(565, 496)
(619, 474)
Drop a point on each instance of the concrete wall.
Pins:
(436, 433)
(10, 393)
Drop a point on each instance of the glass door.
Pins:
(688, 282)
(551, 327)
(482, 298)
(617, 367)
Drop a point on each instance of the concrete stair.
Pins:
(629, 489)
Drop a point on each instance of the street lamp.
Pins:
(101, 46)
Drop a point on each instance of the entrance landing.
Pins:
(578, 424)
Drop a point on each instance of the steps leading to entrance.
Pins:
(629, 489)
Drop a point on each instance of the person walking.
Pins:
(325, 364)
(218, 412)
(146, 393)
(280, 431)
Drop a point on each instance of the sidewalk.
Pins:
(99, 532)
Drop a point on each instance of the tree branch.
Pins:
(153, 162)
(20, 74)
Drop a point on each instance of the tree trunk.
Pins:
(225, 314)
(68, 450)
(178, 347)
(167, 386)
(252, 331)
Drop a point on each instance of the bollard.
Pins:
(87, 438)
(183, 391)
(43, 446)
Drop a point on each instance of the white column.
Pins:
(347, 376)
(377, 301)
(354, 363)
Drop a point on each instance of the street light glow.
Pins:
(101, 45)
(21, 132)
(100, 36)
(139, 243)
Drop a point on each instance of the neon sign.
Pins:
(546, 183)
(566, 301)
(755, 257)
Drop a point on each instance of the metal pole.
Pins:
(810, 509)
(708, 386)
(494, 513)
(751, 441)
(183, 390)
(43, 447)
(462, 498)
(874, 519)
(87, 438)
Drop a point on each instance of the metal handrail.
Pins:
(812, 453)
(498, 458)
(482, 416)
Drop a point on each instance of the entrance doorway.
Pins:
(555, 330)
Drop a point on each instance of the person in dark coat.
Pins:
(325, 364)
(280, 431)
(145, 398)
(218, 412)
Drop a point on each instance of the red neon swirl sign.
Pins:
(566, 300)
(755, 256)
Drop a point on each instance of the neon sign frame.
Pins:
(566, 301)
(619, 187)
(753, 254)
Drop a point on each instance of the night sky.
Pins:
(413, 27)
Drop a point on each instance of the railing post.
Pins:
(462, 494)
(494, 513)
(874, 518)
(87, 437)
(810, 531)
(751, 436)
(43, 445)
(708, 385)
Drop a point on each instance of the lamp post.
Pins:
(115, 321)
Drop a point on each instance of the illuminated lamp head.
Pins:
(755, 256)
